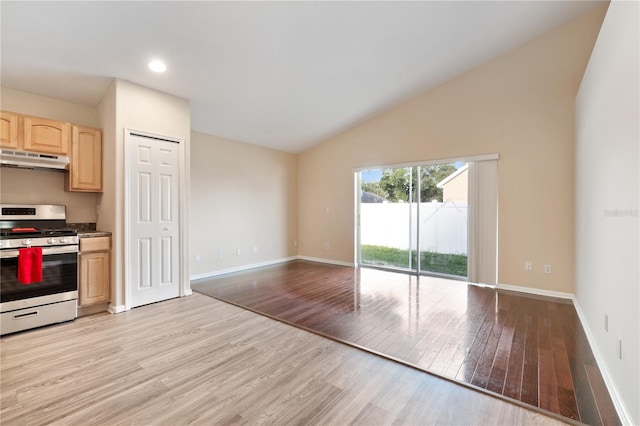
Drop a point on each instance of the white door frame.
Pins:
(184, 288)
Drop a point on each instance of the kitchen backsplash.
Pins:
(23, 186)
(82, 227)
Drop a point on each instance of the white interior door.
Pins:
(154, 222)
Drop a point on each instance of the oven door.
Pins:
(59, 275)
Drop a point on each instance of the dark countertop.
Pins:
(88, 230)
(93, 234)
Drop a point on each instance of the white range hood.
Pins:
(32, 160)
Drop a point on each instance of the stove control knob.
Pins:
(51, 241)
(27, 242)
(63, 240)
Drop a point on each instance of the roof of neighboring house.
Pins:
(452, 176)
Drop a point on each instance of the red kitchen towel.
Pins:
(30, 265)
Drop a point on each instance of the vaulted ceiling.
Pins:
(285, 75)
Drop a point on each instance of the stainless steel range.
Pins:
(36, 289)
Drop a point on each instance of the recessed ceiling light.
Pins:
(157, 66)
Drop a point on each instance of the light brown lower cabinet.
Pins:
(94, 285)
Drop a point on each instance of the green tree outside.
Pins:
(395, 185)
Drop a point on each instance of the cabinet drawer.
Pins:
(95, 244)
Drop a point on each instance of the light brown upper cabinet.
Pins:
(47, 136)
(83, 145)
(85, 169)
(9, 133)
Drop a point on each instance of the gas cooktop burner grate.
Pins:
(8, 233)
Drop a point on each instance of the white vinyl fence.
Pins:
(443, 226)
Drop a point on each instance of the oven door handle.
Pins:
(8, 254)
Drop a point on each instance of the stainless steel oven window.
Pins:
(59, 274)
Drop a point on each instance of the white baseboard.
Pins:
(116, 309)
(536, 291)
(621, 408)
(241, 268)
(267, 263)
(329, 261)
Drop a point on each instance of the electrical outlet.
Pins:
(547, 269)
(238, 252)
(606, 322)
(254, 249)
(220, 254)
(327, 246)
(198, 258)
(528, 266)
(295, 243)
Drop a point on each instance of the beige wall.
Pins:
(107, 219)
(42, 106)
(243, 197)
(520, 106)
(126, 105)
(23, 186)
(607, 200)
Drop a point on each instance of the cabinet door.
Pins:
(94, 278)
(85, 169)
(9, 133)
(47, 136)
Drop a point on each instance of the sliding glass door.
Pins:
(386, 218)
(443, 219)
(414, 218)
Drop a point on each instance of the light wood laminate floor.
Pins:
(196, 360)
(526, 348)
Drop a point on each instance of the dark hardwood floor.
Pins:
(530, 349)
